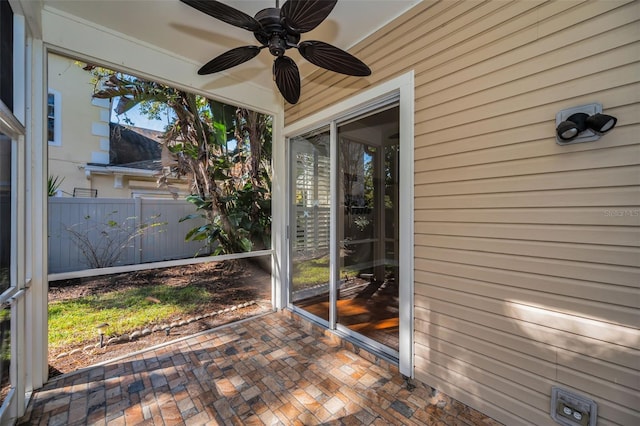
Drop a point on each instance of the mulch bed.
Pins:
(234, 283)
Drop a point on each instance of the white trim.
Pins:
(105, 104)
(100, 129)
(12, 125)
(389, 353)
(9, 125)
(90, 169)
(155, 265)
(117, 180)
(156, 194)
(279, 211)
(344, 108)
(36, 303)
(334, 253)
(406, 226)
(99, 157)
(404, 85)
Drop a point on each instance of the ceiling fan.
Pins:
(279, 29)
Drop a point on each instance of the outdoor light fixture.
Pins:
(572, 126)
(582, 124)
(601, 123)
(101, 328)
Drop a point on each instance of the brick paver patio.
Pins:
(273, 369)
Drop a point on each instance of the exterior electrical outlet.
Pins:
(570, 409)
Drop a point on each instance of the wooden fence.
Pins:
(99, 219)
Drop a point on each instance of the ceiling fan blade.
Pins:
(229, 59)
(300, 16)
(225, 13)
(287, 78)
(332, 58)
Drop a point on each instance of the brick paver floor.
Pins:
(273, 369)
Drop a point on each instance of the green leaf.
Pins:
(191, 216)
(246, 244)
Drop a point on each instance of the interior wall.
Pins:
(527, 257)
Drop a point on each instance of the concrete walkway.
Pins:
(273, 369)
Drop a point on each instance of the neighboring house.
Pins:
(136, 159)
(519, 257)
(92, 154)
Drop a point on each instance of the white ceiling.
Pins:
(180, 29)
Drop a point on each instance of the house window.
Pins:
(54, 130)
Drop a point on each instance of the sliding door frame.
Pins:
(401, 90)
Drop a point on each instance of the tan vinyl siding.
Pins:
(527, 253)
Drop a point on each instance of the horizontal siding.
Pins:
(523, 352)
(617, 156)
(616, 196)
(596, 253)
(591, 178)
(546, 324)
(551, 215)
(527, 253)
(610, 235)
(572, 304)
(618, 296)
(621, 276)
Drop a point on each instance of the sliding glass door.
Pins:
(367, 216)
(343, 226)
(309, 223)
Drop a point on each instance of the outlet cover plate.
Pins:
(570, 409)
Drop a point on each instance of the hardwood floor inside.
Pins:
(368, 308)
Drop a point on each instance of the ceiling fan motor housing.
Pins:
(273, 32)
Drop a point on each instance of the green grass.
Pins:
(73, 322)
(309, 273)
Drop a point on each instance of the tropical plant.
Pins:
(53, 184)
(223, 150)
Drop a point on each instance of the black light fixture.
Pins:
(572, 126)
(601, 123)
(582, 124)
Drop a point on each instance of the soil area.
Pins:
(235, 283)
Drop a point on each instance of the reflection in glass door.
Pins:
(368, 179)
(343, 232)
(7, 275)
(309, 223)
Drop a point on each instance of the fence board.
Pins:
(88, 216)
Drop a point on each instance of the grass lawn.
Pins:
(312, 272)
(74, 321)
